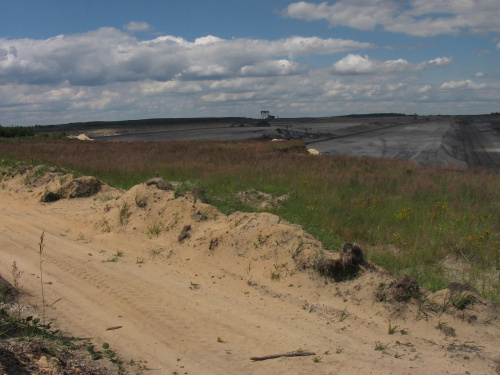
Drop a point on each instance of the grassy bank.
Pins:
(436, 224)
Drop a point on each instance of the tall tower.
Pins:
(264, 114)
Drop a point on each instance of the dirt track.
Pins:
(185, 308)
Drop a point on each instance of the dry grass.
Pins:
(412, 217)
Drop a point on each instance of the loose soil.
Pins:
(230, 288)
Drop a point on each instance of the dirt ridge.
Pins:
(240, 286)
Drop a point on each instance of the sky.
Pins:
(85, 60)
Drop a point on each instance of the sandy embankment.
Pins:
(228, 292)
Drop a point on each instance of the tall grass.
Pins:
(409, 218)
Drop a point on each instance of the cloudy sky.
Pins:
(65, 61)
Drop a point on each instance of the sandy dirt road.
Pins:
(205, 307)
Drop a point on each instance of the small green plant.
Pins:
(380, 346)
(154, 230)
(115, 257)
(239, 221)
(425, 308)
(317, 359)
(461, 301)
(343, 314)
(105, 228)
(124, 213)
(106, 198)
(26, 328)
(155, 251)
(94, 354)
(440, 325)
(220, 340)
(339, 350)
(392, 329)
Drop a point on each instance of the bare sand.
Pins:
(229, 291)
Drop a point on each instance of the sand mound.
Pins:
(197, 291)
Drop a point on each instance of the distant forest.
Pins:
(16, 131)
(136, 123)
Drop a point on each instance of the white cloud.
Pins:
(272, 68)
(225, 97)
(357, 64)
(424, 89)
(417, 17)
(107, 73)
(440, 61)
(479, 75)
(108, 55)
(465, 84)
(137, 26)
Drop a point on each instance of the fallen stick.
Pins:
(289, 354)
(113, 328)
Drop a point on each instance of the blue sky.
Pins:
(65, 61)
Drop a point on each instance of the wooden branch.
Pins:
(113, 328)
(289, 354)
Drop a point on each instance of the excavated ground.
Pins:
(186, 289)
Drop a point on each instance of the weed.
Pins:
(317, 359)
(239, 221)
(154, 252)
(298, 250)
(105, 197)
(41, 246)
(115, 257)
(339, 350)
(124, 213)
(154, 229)
(441, 325)
(94, 354)
(25, 328)
(380, 346)
(16, 277)
(392, 329)
(280, 270)
(220, 340)
(461, 301)
(425, 308)
(343, 314)
(105, 228)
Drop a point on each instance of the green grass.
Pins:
(408, 218)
